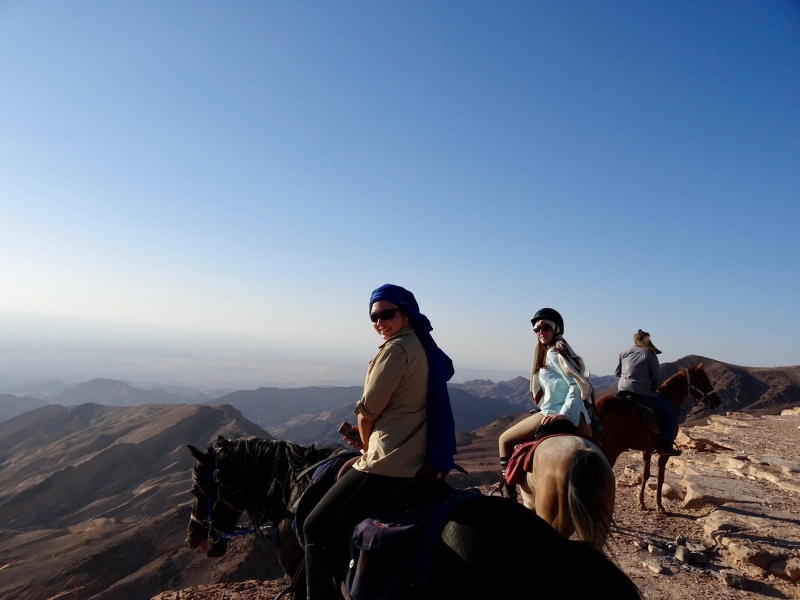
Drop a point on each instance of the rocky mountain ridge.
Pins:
(87, 492)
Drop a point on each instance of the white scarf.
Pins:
(572, 364)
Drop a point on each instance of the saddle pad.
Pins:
(391, 553)
(521, 460)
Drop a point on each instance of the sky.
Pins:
(208, 192)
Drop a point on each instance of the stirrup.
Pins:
(668, 450)
(498, 489)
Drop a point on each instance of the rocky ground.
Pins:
(732, 528)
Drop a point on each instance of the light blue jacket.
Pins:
(561, 392)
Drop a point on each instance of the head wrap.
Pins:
(552, 325)
(441, 426)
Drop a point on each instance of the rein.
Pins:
(695, 391)
(211, 481)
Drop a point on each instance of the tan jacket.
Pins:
(395, 394)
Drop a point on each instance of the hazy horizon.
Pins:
(38, 349)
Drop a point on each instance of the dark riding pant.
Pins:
(667, 414)
(341, 508)
(347, 503)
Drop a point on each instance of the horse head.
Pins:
(700, 387)
(213, 517)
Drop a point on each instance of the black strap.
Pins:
(322, 462)
(300, 573)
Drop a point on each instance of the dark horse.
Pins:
(627, 427)
(488, 548)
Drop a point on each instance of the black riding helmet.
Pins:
(549, 314)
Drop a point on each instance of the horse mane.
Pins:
(668, 389)
(263, 472)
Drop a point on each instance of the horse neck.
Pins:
(675, 389)
(266, 469)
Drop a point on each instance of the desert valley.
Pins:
(95, 479)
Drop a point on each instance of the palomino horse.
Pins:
(624, 427)
(487, 548)
(571, 486)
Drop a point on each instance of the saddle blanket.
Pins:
(392, 553)
(521, 460)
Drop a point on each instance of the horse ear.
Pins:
(198, 455)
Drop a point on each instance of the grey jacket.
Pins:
(638, 371)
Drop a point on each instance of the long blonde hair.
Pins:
(540, 356)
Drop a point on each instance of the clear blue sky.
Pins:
(254, 169)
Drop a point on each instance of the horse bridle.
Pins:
(695, 391)
(211, 487)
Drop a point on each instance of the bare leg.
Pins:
(521, 432)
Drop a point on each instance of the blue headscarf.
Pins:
(441, 427)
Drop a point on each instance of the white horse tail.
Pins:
(591, 496)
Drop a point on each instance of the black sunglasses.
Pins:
(544, 328)
(387, 314)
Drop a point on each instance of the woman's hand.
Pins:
(551, 418)
(355, 443)
(365, 429)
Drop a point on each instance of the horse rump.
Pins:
(493, 548)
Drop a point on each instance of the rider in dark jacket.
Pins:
(638, 373)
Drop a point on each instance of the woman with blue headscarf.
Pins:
(405, 423)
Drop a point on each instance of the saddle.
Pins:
(650, 418)
(521, 460)
(391, 552)
(392, 548)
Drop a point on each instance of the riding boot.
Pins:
(667, 449)
(318, 578)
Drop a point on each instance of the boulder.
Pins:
(706, 486)
(768, 538)
(733, 579)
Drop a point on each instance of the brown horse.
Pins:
(625, 428)
(571, 486)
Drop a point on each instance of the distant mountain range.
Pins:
(306, 415)
(311, 413)
(11, 406)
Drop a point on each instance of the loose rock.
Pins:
(655, 568)
(733, 579)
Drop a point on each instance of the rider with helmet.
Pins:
(559, 387)
(639, 376)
